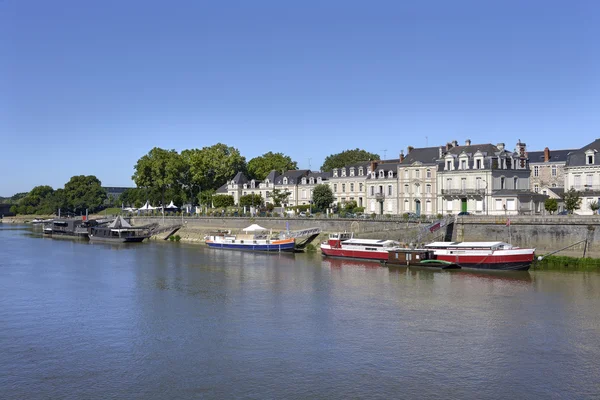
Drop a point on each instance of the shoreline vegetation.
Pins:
(565, 263)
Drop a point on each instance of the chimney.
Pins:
(401, 155)
(373, 165)
(454, 143)
(441, 153)
(500, 146)
(546, 154)
(409, 149)
(468, 142)
(448, 146)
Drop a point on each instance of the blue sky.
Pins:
(90, 87)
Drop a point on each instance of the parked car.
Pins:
(464, 213)
(563, 212)
(303, 214)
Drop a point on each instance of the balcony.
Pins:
(379, 196)
(463, 192)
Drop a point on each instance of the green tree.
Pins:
(260, 167)
(280, 196)
(36, 201)
(572, 200)
(211, 167)
(347, 157)
(322, 196)
(84, 192)
(222, 201)
(252, 199)
(594, 206)
(551, 205)
(159, 170)
(350, 206)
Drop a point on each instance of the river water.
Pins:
(166, 320)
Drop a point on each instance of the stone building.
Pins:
(348, 184)
(582, 172)
(382, 187)
(547, 169)
(417, 184)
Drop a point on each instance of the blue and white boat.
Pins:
(254, 238)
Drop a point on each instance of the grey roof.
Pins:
(272, 175)
(293, 176)
(425, 155)
(486, 148)
(576, 158)
(239, 178)
(559, 191)
(555, 156)
(119, 223)
(364, 164)
(518, 192)
(222, 189)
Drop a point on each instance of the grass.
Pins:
(110, 211)
(567, 263)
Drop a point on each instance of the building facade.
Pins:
(547, 169)
(417, 181)
(348, 184)
(582, 172)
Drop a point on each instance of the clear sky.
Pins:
(88, 87)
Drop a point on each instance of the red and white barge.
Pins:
(344, 245)
(483, 255)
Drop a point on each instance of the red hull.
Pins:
(360, 254)
(505, 262)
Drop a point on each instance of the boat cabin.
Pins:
(461, 246)
(406, 256)
(335, 239)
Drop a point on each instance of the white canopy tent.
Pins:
(147, 207)
(254, 228)
(171, 206)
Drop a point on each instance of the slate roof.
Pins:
(272, 175)
(293, 176)
(487, 149)
(386, 166)
(555, 156)
(239, 179)
(364, 164)
(425, 155)
(577, 158)
(222, 189)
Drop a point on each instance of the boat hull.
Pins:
(279, 246)
(498, 263)
(355, 254)
(135, 239)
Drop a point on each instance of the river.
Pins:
(166, 320)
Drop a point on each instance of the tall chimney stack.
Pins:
(546, 154)
(468, 142)
(441, 152)
(409, 149)
(401, 155)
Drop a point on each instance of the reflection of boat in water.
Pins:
(494, 275)
(337, 263)
(255, 238)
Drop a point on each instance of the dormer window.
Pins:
(344, 172)
(285, 180)
(252, 184)
(463, 164)
(478, 163)
(245, 186)
(381, 174)
(351, 171)
(319, 179)
(589, 157)
(373, 174)
(360, 171)
(312, 180)
(335, 173)
(304, 181)
(448, 165)
(267, 183)
(390, 174)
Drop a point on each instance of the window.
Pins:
(449, 205)
(499, 206)
(390, 206)
(343, 171)
(516, 182)
(577, 181)
(536, 188)
(335, 173)
(502, 183)
(428, 208)
(406, 205)
(312, 181)
(536, 171)
(335, 188)
(380, 191)
(428, 189)
(463, 184)
(303, 193)
(589, 180)
(449, 183)
(554, 170)
(319, 180)
(252, 184)
(389, 190)
(478, 163)
(390, 174)
(405, 188)
(360, 171)
(304, 181)
(590, 159)
(554, 185)
(406, 174)
(417, 174)
(343, 188)
(372, 190)
(428, 173)
(360, 187)
(285, 180)
(417, 189)
(245, 193)
(449, 165)
(352, 171)
(352, 187)
(245, 186)
(463, 164)
(382, 174)
(477, 183)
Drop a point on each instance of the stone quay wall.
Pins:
(546, 234)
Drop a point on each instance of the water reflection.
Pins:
(336, 263)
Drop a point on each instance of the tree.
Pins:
(222, 201)
(84, 192)
(551, 205)
(347, 157)
(159, 169)
(280, 196)
(37, 201)
(350, 206)
(322, 196)
(252, 199)
(594, 206)
(211, 167)
(260, 167)
(572, 200)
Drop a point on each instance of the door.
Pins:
(463, 205)
(418, 207)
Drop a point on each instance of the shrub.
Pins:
(177, 238)
(171, 238)
(310, 248)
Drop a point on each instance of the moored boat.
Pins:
(483, 255)
(417, 257)
(118, 231)
(254, 238)
(344, 245)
